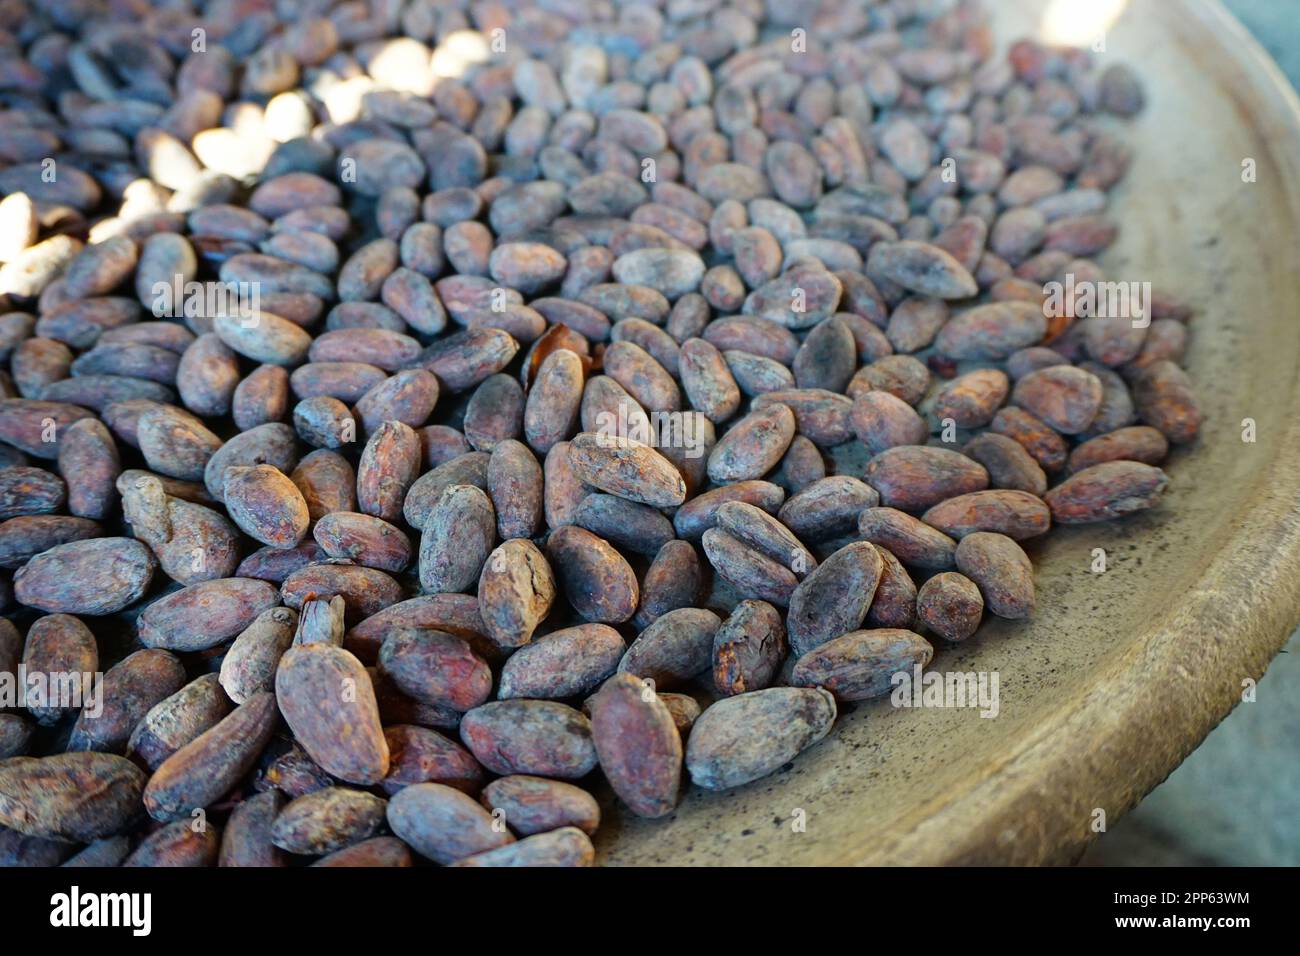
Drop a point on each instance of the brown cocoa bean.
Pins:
(515, 592)
(203, 770)
(950, 605)
(1108, 490)
(1016, 514)
(328, 702)
(1002, 571)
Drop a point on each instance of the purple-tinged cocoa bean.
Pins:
(514, 482)
(834, 598)
(992, 332)
(1034, 435)
(597, 580)
(443, 824)
(246, 838)
(60, 644)
(630, 526)
(96, 577)
(756, 336)
(26, 536)
(637, 745)
(327, 820)
(757, 374)
(36, 426)
(551, 412)
(172, 723)
(626, 468)
(881, 421)
(900, 375)
(1134, 443)
(276, 564)
(274, 444)
(421, 755)
(458, 536)
(674, 649)
(751, 573)
(262, 397)
(408, 397)
(381, 851)
(567, 663)
(910, 539)
(367, 540)
(388, 468)
(1008, 463)
(365, 591)
(971, 400)
(914, 477)
(744, 738)
(130, 689)
(538, 737)
(861, 665)
(30, 491)
(464, 359)
(454, 613)
(1163, 395)
(644, 378)
(922, 268)
(266, 505)
(565, 847)
(1065, 397)
(470, 468)
(699, 514)
(673, 580)
(802, 465)
(828, 508)
(758, 530)
(532, 805)
(708, 381)
(823, 417)
(753, 446)
(89, 462)
(294, 773)
(435, 667)
(828, 356)
(894, 603)
(205, 614)
(177, 844)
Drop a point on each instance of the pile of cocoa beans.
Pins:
(427, 423)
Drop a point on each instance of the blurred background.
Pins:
(1236, 800)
